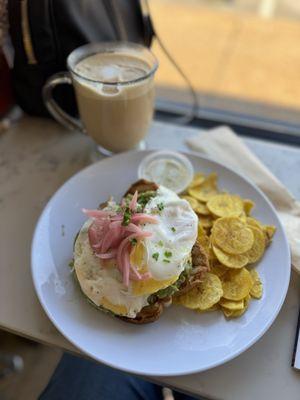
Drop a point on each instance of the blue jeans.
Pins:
(80, 379)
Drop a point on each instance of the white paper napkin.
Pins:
(223, 144)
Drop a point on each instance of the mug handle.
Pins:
(54, 109)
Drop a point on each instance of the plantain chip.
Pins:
(215, 307)
(193, 202)
(206, 189)
(203, 296)
(218, 269)
(231, 260)
(206, 221)
(203, 238)
(258, 248)
(225, 205)
(234, 313)
(254, 222)
(211, 256)
(232, 235)
(202, 209)
(243, 217)
(199, 178)
(231, 304)
(228, 313)
(247, 300)
(256, 290)
(236, 284)
(248, 205)
(237, 313)
(269, 231)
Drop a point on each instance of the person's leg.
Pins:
(80, 379)
(182, 396)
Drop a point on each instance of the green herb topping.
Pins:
(155, 256)
(144, 197)
(126, 217)
(160, 206)
(168, 254)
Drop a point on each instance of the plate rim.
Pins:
(215, 364)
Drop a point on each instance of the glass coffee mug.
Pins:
(114, 88)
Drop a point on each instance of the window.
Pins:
(242, 57)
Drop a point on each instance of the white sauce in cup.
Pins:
(168, 168)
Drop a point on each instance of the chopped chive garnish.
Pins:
(160, 206)
(133, 241)
(160, 243)
(168, 254)
(139, 208)
(173, 229)
(126, 217)
(155, 256)
(166, 261)
(143, 198)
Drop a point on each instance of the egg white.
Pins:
(172, 237)
(98, 281)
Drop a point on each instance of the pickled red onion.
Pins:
(144, 218)
(111, 254)
(109, 238)
(96, 213)
(133, 202)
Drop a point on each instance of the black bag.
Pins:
(44, 32)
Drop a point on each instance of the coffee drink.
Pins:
(115, 95)
(114, 87)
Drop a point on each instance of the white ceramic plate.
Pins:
(181, 341)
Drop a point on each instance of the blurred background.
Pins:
(242, 57)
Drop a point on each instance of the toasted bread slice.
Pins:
(141, 186)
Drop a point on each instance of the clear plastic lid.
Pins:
(168, 168)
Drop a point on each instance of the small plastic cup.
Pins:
(168, 168)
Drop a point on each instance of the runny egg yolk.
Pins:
(149, 286)
(118, 309)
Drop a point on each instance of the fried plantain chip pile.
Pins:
(235, 242)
